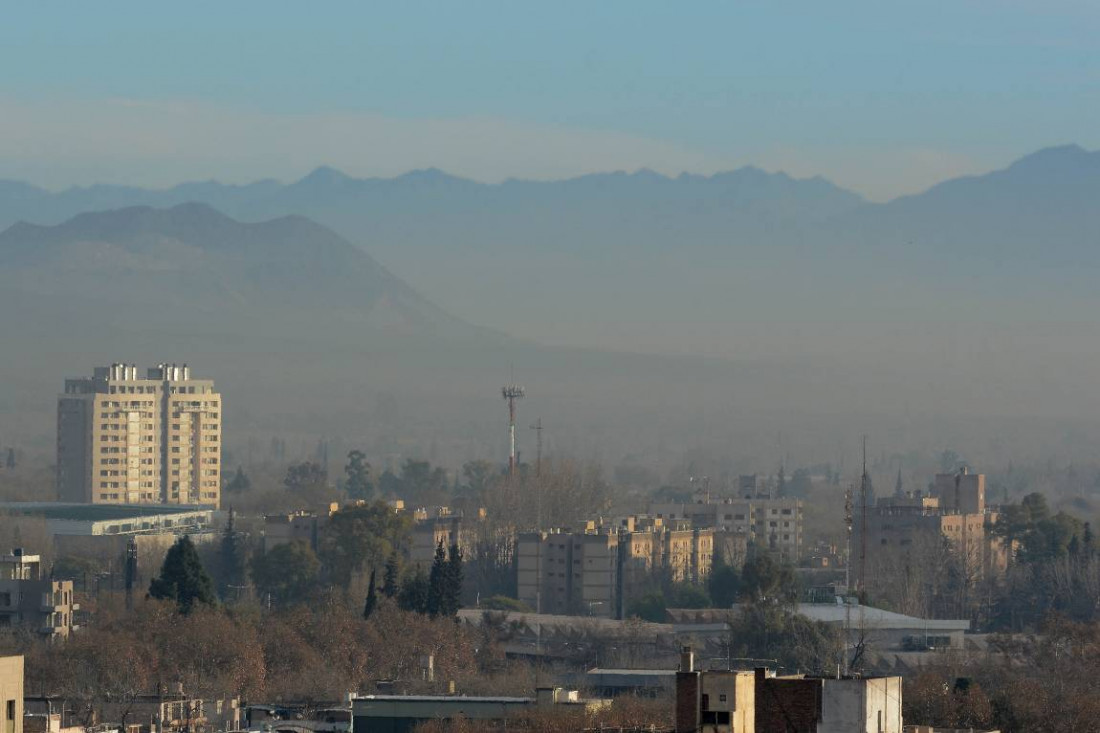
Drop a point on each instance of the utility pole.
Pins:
(537, 427)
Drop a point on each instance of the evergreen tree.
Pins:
(724, 582)
(232, 560)
(414, 592)
(452, 587)
(358, 482)
(438, 586)
(182, 578)
(389, 577)
(372, 597)
(11, 458)
(240, 482)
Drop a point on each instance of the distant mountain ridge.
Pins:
(195, 257)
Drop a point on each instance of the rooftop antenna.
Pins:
(511, 393)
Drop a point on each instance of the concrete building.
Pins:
(828, 704)
(955, 510)
(103, 531)
(435, 525)
(767, 523)
(596, 572)
(122, 439)
(11, 694)
(300, 526)
(402, 713)
(760, 702)
(713, 702)
(29, 600)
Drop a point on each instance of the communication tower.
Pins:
(511, 393)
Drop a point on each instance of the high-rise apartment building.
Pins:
(122, 439)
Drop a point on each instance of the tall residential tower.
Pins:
(122, 439)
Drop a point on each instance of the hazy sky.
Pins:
(883, 97)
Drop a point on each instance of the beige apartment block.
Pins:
(124, 439)
(11, 694)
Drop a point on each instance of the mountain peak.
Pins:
(325, 175)
(1057, 158)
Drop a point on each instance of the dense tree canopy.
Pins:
(183, 579)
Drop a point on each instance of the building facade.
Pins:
(761, 702)
(11, 694)
(773, 524)
(598, 571)
(125, 439)
(29, 600)
(955, 511)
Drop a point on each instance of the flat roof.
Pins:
(96, 512)
(439, 698)
(638, 672)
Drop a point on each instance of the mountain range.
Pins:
(317, 298)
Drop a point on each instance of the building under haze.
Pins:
(124, 439)
(28, 600)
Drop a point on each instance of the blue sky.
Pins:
(883, 97)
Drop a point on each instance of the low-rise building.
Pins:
(761, 702)
(31, 601)
(11, 694)
(402, 713)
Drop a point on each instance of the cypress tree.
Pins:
(452, 595)
(389, 577)
(372, 597)
(182, 578)
(437, 582)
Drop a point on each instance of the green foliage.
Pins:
(650, 607)
(183, 579)
(768, 631)
(358, 482)
(372, 597)
(288, 572)
(390, 585)
(232, 565)
(504, 603)
(239, 483)
(723, 583)
(414, 592)
(765, 577)
(305, 477)
(358, 537)
(418, 483)
(445, 582)
(478, 476)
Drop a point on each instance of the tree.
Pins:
(239, 483)
(372, 598)
(764, 577)
(414, 592)
(451, 599)
(478, 476)
(232, 560)
(390, 585)
(650, 607)
(437, 582)
(183, 579)
(288, 572)
(304, 477)
(10, 462)
(724, 582)
(358, 537)
(358, 482)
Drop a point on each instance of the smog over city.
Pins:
(549, 366)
